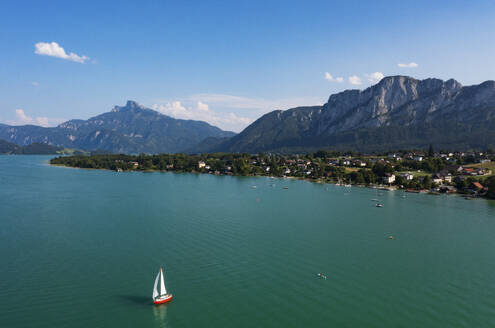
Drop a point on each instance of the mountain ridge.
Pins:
(397, 112)
(132, 128)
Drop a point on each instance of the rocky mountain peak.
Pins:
(131, 105)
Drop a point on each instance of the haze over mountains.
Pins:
(128, 129)
(399, 112)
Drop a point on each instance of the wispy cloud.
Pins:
(408, 65)
(228, 112)
(35, 84)
(255, 104)
(374, 77)
(354, 80)
(330, 78)
(53, 49)
(22, 118)
(201, 112)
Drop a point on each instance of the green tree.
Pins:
(427, 182)
(431, 153)
(490, 183)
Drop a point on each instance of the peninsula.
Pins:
(444, 172)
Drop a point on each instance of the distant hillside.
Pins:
(397, 113)
(7, 147)
(32, 149)
(128, 129)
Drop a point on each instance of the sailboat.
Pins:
(160, 296)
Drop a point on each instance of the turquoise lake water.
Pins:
(81, 248)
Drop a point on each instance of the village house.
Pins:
(201, 164)
(445, 176)
(437, 178)
(478, 188)
(408, 176)
(389, 178)
(473, 171)
(447, 189)
(359, 163)
(394, 156)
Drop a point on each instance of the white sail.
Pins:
(163, 291)
(155, 290)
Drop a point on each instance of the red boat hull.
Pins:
(165, 300)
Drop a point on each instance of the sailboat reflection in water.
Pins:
(160, 296)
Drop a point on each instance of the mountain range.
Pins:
(125, 129)
(399, 112)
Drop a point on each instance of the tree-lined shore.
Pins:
(467, 173)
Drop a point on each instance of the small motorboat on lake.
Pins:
(160, 296)
(379, 205)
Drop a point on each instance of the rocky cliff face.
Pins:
(126, 129)
(399, 111)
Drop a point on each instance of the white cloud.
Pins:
(408, 65)
(35, 84)
(202, 112)
(375, 77)
(330, 78)
(354, 80)
(53, 49)
(256, 104)
(202, 106)
(22, 118)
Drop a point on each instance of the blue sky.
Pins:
(226, 62)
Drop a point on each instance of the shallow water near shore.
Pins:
(81, 248)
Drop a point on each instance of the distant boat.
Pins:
(321, 275)
(379, 205)
(254, 187)
(286, 187)
(160, 296)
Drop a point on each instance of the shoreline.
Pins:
(319, 181)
